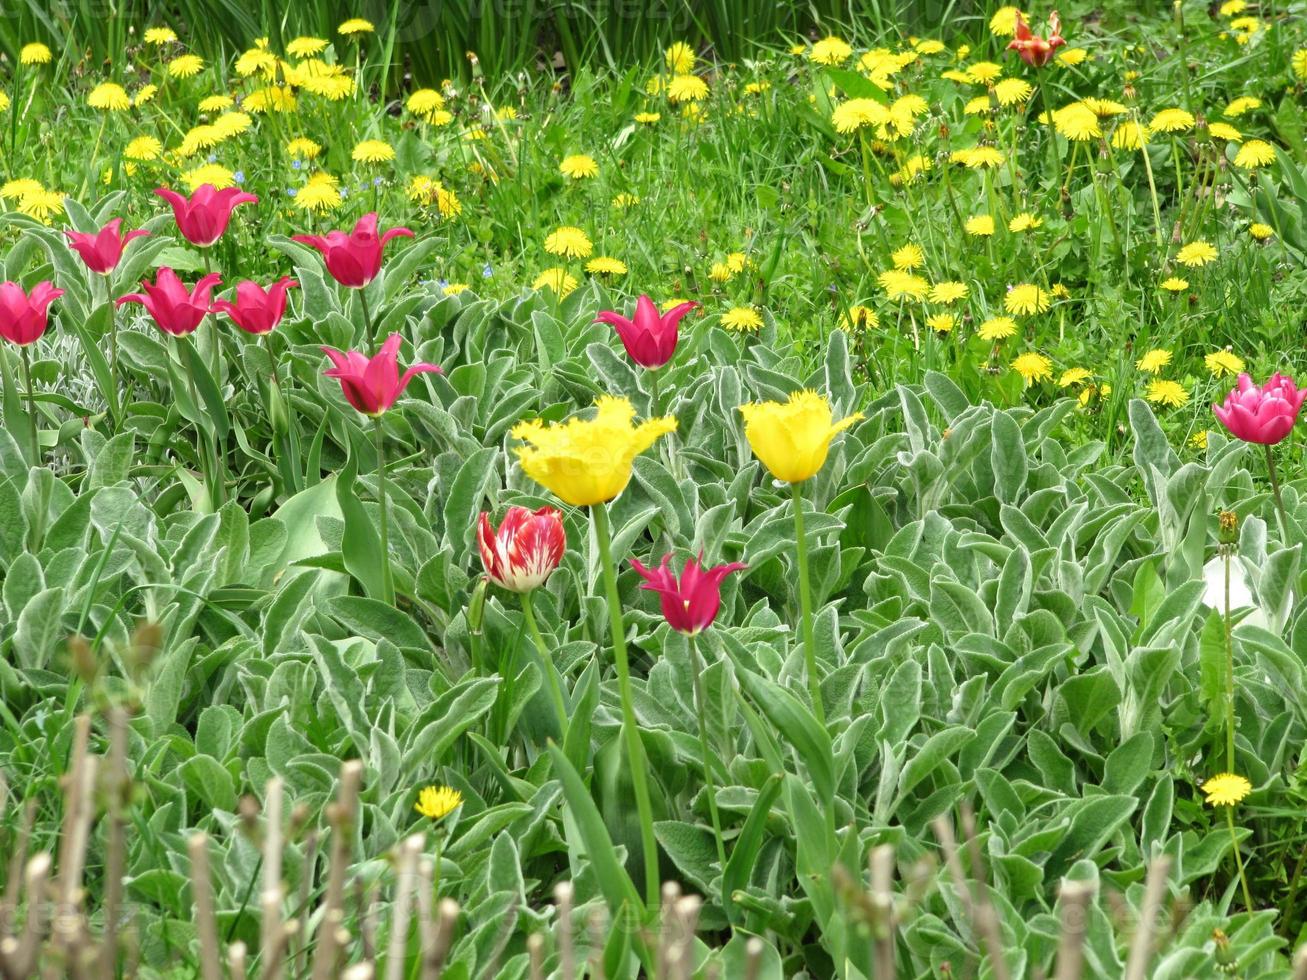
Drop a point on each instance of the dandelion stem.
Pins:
(805, 609)
(387, 582)
(700, 708)
(1238, 859)
(634, 748)
(546, 664)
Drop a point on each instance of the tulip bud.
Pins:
(277, 410)
(476, 607)
(526, 548)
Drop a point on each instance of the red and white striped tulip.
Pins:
(524, 550)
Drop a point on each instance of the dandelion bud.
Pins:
(1227, 523)
(83, 659)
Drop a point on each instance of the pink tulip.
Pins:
(202, 218)
(354, 259)
(24, 317)
(256, 311)
(1262, 414)
(689, 604)
(649, 339)
(524, 550)
(1033, 49)
(176, 309)
(102, 250)
(371, 384)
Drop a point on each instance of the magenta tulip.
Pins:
(1262, 414)
(524, 550)
(176, 309)
(202, 218)
(649, 339)
(371, 384)
(689, 603)
(354, 259)
(102, 250)
(256, 311)
(24, 316)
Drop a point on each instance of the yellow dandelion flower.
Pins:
(1232, 7)
(578, 166)
(373, 151)
(438, 802)
(1154, 360)
(997, 328)
(109, 96)
(1241, 105)
(1033, 367)
(648, 118)
(1012, 91)
(1224, 131)
(901, 285)
(355, 25)
(305, 47)
(1199, 440)
(859, 317)
(908, 257)
(160, 35)
(558, 279)
(13, 190)
(984, 72)
(942, 322)
(319, 194)
(624, 201)
(274, 98)
(853, 114)
(1025, 221)
(1077, 122)
(1172, 394)
(1174, 284)
(1004, 22)
(256, 61)
(35, 53)
(981, 225)
(605, 265)
(1172, 121)
(1226, 789)
(210, 173)
(1070, 57)
(143, 148)
(1026, 298)
(1130, 135)
(1073, 376)
(1260, 231)
(303, 148)
(144, 94)
(679, 58)
(1254, 154)
(687, 88)
(1299, 63)
(41, 204)
(1196, 254)
(948, 292)
(830, 51)
(742, 319)
(1222, 363)
(425, 103)
(216, 103)
(569, 242)
(186, 66)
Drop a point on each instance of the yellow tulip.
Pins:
(792, 437)
(588, 461)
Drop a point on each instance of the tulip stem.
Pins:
(31, 403)
(1229, 666)
(546, 664)
(805, 609)
(653, 393)
(1279, 499)
(387, 582)
(367, 321)
(700, 708)
(634, 748)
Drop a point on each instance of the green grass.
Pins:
(1020, 627)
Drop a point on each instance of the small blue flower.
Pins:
(213, 158)
(376, 181)
(290, 192)
(487, 271)
(239, 176)
(344, 193)
(296, 164)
